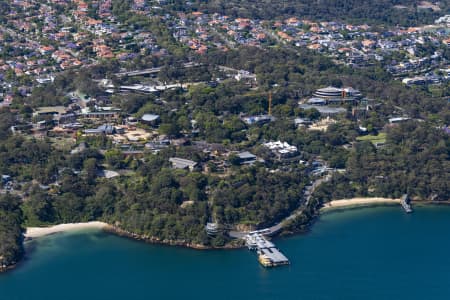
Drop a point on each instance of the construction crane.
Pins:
(270, 103)
(270, 97)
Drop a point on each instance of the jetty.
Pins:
(404, 201)
(268, 253)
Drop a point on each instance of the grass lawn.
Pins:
(374, 139)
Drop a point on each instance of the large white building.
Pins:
(281, 149)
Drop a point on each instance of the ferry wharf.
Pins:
(268, 253)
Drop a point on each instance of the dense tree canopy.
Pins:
(10, 230)
(392, 12)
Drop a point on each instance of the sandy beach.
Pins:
(343, 203)
(34, 232)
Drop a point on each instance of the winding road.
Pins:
(307, 195)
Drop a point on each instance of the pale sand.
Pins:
(358, 202)
(34, 232)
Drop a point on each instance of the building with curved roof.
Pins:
(150, 119)
(334, 94)
(328, 92)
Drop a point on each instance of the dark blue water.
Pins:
(376, 253)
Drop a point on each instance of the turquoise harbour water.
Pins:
(373, 253)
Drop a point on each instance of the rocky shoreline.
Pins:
(235, 244)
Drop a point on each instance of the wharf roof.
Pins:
(274, 255)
